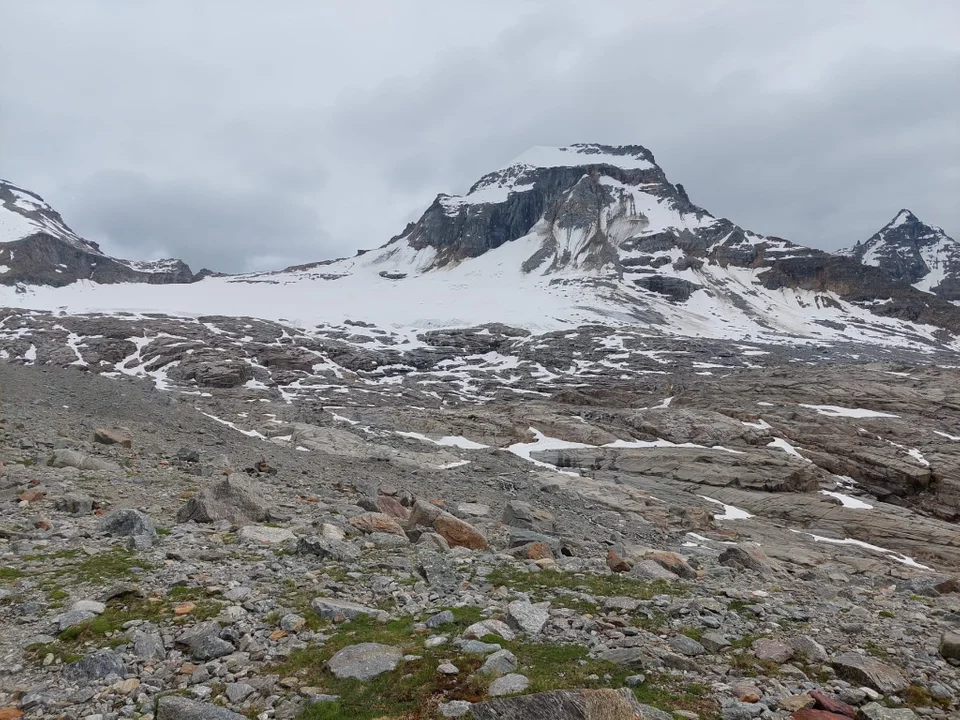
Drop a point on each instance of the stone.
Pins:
(374, 522)
(72, 618)
(687, 646)
(714, 642)
(876, 711)
(834, 705)
(292, 622)
(423, 513)
(148, 646)
(869, 671)
(773, 650)
(126, 687)
(814, 714)
(80, 461)
(239, 691)
(742, 711)
(672, 562)
(473, 509)
(75, 504)
(625, 656)
(15, 714)
(459, 533)
(128, 523)
(437, 570)
(176, 707)
(527, 617)
(809, 648)
(603, 704)
(391, 506)
(518, 513)
(510, 684)
(499, 663)
(746, 692)
(621, 603)
(792, 703)
(477, 647)
(489, 627)
(210, 647)
(233, 498)
(364, 661)
(328, 549)
(92, 606)
(533, 551)
(265, 535)
(448, 669)
(97, 666)
(329, 609)
(441, 618)
(950, 645)
(454, 708)
(651, 570)
(107, 436)
(747, 556)
(617, 562)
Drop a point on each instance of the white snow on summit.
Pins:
(545, 157)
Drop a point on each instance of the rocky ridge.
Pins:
(915, 253)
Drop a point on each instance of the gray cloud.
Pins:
(238, 139)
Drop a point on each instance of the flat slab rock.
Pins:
(364, 661)
(567, 704)
(870, 672)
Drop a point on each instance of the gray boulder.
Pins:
(364, 661)
(330, 609)
(76, 459)
(99, 665)
(175, 707)
(602, 704)
(871, 672)
(234, 498)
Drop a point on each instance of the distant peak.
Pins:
(628, 157)
(904, 216)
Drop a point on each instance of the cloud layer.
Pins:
(240, 138)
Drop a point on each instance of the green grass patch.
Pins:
(414, 689)
(113, 565)
(10, 574)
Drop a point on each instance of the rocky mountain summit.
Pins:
(37, 248)
(914, 252)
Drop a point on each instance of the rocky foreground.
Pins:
(768, 536)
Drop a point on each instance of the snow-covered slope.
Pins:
(559, 238)
(916, 253)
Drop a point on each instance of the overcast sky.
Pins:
(245, 135)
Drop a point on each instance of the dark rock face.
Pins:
(915, 253)
(45, 251)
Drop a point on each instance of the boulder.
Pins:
(876, 711)
(99, 665)
(330, 609)
(509, 684)
(364, 661)
(652, 570)
(80, 461)
(871, 672)
(522, 514)
(75, 504)
(176, 707)
(747, 556)
(528, 617)
(459, 533)
(129, 523)
(106, 436)
(234, 499)
(604, 704)
(672, 562)
(375, 522)
(773, 650)
(336, 550)
(950, 645)
(265, 535)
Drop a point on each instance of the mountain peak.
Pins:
(915, 252)
(626, 157)
(38, 248)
